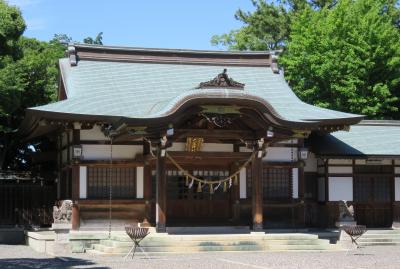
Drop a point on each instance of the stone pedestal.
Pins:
(61, 241)
(344, 238)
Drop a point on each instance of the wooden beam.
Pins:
(215, 133)
(75, 182)
(257, 194)
(147, 193)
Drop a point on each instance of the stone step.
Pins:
(219, 237)
(209, 230)
(379, 243)
(383, 231)
(113, 243)
(386, 236)
(366, 240)
(180, 249)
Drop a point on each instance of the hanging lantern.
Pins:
(225, 186)
(199, 187)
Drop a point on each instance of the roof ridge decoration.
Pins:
(222, 80)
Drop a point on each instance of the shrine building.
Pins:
(209, 138)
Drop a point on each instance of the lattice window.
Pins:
(176, 188)
(206, 193)
(277, 183)
(123, 182)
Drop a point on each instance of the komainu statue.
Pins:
(346, 213)
(63, 213)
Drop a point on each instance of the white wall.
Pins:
(102, 152)
(93, 134)
(340, 188)
(311, 163)
(281, 154)
(340, 161)
(397, 189)
(295, 183)
(139, 182)
(340, 169)
(82, 182)
(397, 170)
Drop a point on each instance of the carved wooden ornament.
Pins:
(221, 81)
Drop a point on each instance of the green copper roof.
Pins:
(150, 90)
(367, 138)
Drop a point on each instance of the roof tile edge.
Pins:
(172, 56)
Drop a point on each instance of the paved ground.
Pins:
(370, 257)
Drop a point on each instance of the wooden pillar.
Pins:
(161, 191)
(75, 218)
(75, 196)
(301, 173)
(257, 194)
(395, 204)
(147, 193)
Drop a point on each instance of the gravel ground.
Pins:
(369, 257)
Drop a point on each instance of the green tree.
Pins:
(346, 58)
(12, 25)
(28, 75)
(268, 26)
(98, 40)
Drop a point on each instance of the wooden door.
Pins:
(187, 206)
(373, 198)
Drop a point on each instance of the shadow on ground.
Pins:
(44, 263)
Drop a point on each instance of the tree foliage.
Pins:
(28, 77)
(98, 40)
(346, 58)
(12, 25)
(268, 26)
(339, 54)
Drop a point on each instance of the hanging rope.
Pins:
(110, 188)
(202, 181)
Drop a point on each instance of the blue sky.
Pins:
(158, 23)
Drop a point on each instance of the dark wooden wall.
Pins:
(27, 203)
